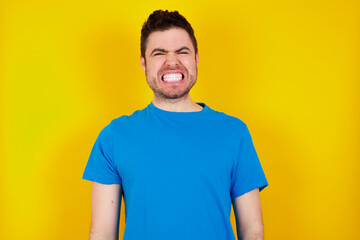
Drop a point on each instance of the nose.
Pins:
(172, 60)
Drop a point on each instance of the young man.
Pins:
(178, 163)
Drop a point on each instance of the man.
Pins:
(178, 163)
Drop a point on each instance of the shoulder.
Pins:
(229, 121)
(124, 122)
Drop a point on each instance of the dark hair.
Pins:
(161, 20)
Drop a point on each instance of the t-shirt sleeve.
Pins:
(247, 173)
(100, 166)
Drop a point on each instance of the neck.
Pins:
(185, 104)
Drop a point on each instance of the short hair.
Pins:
(161, 20)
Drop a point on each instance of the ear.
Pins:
(143, 63)
(197, 59)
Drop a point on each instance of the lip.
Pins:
(173, 82)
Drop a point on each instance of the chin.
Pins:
(173, 95)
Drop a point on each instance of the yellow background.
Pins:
(290, 70)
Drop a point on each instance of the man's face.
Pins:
(171, 63)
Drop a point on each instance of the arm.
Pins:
(106, 204)
(247, 210)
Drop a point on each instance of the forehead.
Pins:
(171, 39)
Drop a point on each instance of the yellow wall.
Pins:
(290, 70)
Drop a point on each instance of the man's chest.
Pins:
(160, 159)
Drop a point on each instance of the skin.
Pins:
(106, 204)
(247, 210)
(169, 51)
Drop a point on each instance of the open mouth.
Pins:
(172, 77)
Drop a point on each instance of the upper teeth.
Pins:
(172, 77)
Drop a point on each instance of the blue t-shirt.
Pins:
(179, 171)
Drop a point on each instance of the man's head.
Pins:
(169, 55)
(161, 20)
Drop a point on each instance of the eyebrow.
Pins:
(163, 50)
(157, 50)
(182, 48)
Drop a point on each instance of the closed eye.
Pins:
(183, 52)
(158, 53)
